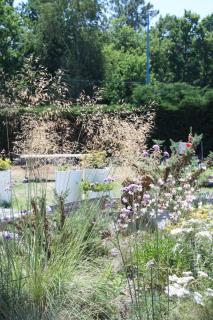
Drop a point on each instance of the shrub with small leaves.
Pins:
(5, 164)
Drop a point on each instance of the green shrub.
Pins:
(96, 187)
(95, 160)
(172, 96)
(5, 164)
(188, 310)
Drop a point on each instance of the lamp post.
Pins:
(148, 50)
(149, 14)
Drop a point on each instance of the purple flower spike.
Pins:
(109, 179)
(145, 153)
(156, 148)
(7, 218)
(6, 235)
(110, 204)
(166, 154)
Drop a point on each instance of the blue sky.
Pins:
(202, 7)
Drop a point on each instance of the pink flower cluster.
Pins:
(170, 196)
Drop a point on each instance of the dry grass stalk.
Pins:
(122, 138)
(43, 136)
(34, 86)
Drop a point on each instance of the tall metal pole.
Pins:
(147, 52)
(202, 150)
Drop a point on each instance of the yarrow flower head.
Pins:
(198, 298)
(150, 264)
(209, 292)
(205, 234)
(202, 274)
(110, 204)
(175, 290)
(160, 182)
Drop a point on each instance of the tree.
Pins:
(124, 61)
(11, 36)
(134, 11)
(178, 47)
(65, 34)
(204, 50)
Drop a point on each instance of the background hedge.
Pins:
(179, 107)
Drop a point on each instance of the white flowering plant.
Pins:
(198, 288)
(194, 239)
(172, 260)
(164, 184)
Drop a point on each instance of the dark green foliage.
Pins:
(134, 11)
(182, 49)
(10, 37)
(66, 35)
(81, 38)
(181, 106)
(174, 96)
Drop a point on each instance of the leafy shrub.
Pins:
(5, 164)
(145, 94)
(96, 187)
(95, 160)
(172, 96)
(188, 310)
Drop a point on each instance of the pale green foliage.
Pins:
(124, 61)
(5, 164)
(190, 311)
(38, 277)
(10, 34)
(95, 159)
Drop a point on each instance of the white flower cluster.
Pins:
(179, 287)
(201, 230)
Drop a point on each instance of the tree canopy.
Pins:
(103, 43)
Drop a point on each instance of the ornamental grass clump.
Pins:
(34, 86)
(123, 137)
(43, 135)
(42, 263)
(53, 263)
